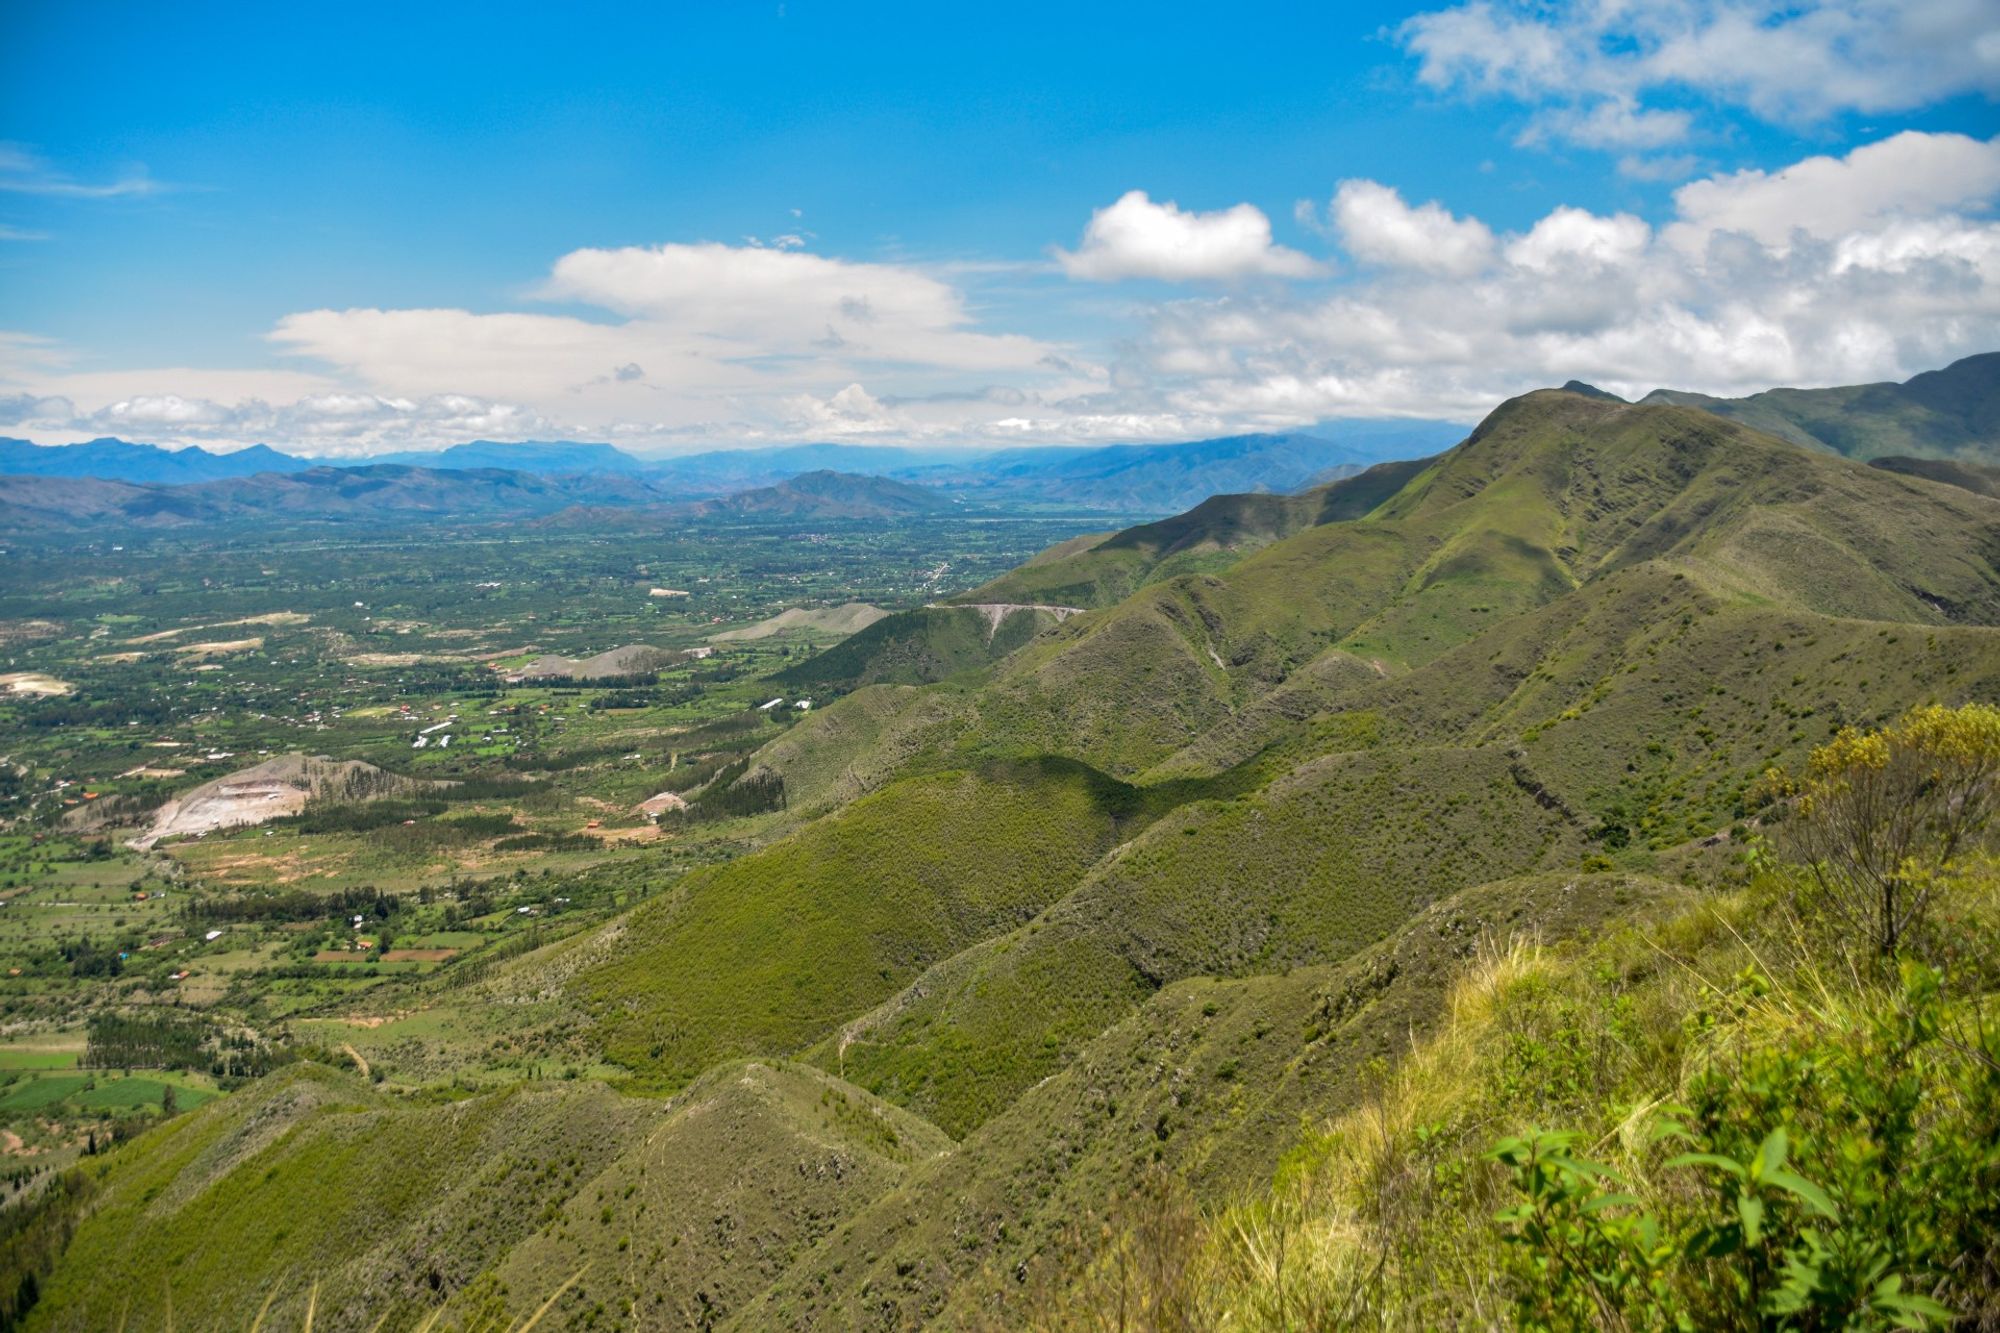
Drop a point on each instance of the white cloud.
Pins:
(1377, 227)
(1909, 175)
(27, 409)
(1876, 265)
(1615, 122)
(1137, 238)
(705, 342)
(1591, 66)
(729, 300)
(1573, 236)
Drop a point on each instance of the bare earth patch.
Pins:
(32, 682)
(220, 647)
(271, 790)
(270, 618)
(22, 631)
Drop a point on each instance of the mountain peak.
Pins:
(1591, 391)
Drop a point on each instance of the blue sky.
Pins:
(375, 227)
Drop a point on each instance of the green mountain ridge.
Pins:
(1058, 900)
(1953, 413)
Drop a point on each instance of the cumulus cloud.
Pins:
(1137, 238)
(1909, 175)
(729, 300)
(341, 424)
(1876, 263)
(1596, 72)
(1377, 227)
(1842, 270)
(27, 409)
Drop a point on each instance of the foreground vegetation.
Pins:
(1744, 1114)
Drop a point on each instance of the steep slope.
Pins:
(1979, 478)
(766, 954)
(312, 1176)
(1501, 691)
(490, 1204)
(1554, 491)
(1951, 413)
(745, 1172)
(1208, 1081)
(1325, 861)
(917, 647)
(1208, 537)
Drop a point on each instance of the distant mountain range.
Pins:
(1947, 416)
(392, 492)
(117, 460)
(1127, 479)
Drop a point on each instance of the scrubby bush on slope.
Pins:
(1741, 1119)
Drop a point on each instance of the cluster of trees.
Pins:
(157, 1040)
(660, 696)
(33, 1235)
(734, 791)
(86, 709)
(290, 905)
(87, 958)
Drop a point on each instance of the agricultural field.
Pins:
(317, 797)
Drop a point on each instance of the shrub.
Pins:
(1887, 818)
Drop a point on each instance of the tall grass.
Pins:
(1398, 1215)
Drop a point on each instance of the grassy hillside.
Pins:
(679, 1209)
(1699, 1120)
(1208, 537)
(1208, 1081)
(916, 647)
(740, 1176)
(1979, 478)
(312, 1176)
(1318, 865)
(1068, 916)
(1553, 493)
(766, 954)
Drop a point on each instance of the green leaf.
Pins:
(1912, 1309)
(1814, 1197)
(1750, 1209)
(1771, 1154)
(1581, 1167)
(1734, 1168)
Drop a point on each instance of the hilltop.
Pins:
(826, 494)
(1952, 413)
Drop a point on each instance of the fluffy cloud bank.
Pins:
(1595, 71)
(1835, 271)
(1873, 264)
(1137, 238)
